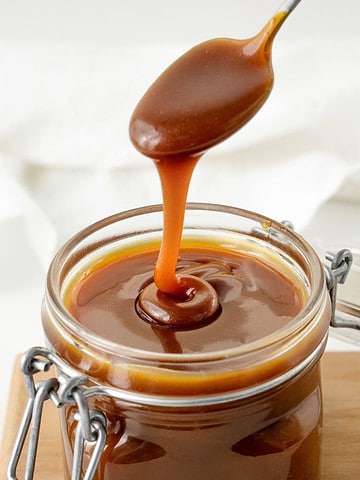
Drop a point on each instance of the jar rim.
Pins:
(72, 326)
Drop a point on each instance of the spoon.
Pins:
(207, 94)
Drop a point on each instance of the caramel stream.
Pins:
(201, 99)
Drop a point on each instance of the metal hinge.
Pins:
(336, 273)
(65, 389)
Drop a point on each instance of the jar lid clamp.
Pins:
(336, 274)
(91, 426)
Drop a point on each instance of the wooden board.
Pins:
(341, 443)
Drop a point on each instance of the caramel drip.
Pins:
(175, 179)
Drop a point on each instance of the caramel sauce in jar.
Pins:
(207, 401)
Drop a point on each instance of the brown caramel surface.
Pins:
(255, 300)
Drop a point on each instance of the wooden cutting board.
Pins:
(341, 443)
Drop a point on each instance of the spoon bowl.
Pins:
(207, 94)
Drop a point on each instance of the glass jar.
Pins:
(252, 411)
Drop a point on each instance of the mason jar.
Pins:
(251, 411)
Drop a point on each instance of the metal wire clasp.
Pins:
(66, 389)
(336, 273)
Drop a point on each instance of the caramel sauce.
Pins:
(200, 100)
(269, 299)
(277, 438)
(205, 96)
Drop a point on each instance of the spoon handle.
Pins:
(273, 26)
(288, 5)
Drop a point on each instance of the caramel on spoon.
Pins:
(207, 94)
(200, 100)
